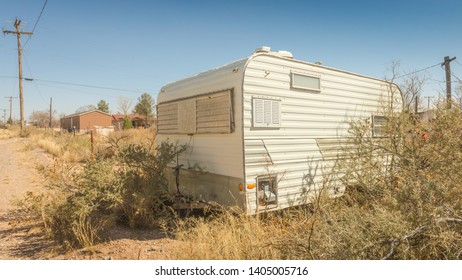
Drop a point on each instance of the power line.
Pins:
(85, 85)
(456, 61)
(35, 84)
(457, 78)
(38, 19)
(77, 84)
(417, 71)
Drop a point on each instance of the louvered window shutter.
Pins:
(266, 112)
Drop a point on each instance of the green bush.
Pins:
(129, 186)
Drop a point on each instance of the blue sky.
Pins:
(138, 46)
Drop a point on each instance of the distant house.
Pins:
(136, 119)
(86, 121)
(427, 116)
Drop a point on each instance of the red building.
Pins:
(86, 121)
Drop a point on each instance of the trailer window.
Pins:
(306, 82)
(266, 112)
(379, 124)
(167, 118)
(202, 114)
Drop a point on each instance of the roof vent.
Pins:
(285, 54)
(263, 49)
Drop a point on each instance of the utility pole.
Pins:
(51, 110)
(428, 101)
(18, 34)
(11, 108)
(4, 116)
(447, 67)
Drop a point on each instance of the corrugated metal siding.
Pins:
(216, 153)
(292, 150)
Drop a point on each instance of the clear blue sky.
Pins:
(140, 46)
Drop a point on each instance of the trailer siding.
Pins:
(291, 151)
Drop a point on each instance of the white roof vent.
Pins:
(263, 49)
(285, 54)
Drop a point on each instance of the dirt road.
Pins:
(21, 239)
(18, 175)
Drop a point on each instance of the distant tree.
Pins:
(127, 123)
(85, 108)
(125, 105)
(145, 106)
(103, 106)
(40, 118)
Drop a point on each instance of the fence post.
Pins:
(91, 137)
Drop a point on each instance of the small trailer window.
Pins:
(266, 112)
(379, 124)
(306, 82)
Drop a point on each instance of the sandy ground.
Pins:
(21, 239)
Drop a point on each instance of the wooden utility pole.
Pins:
(18, 34)
(447, 67)
(428, 101)
(51, 110)
(11, 108)
(4, 116)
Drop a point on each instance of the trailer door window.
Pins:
(267, 191)
(306, 82)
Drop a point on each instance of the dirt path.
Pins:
(21, 239)
(18, 175)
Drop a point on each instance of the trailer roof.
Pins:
(172, 91)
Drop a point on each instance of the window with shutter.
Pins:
(167, 118)
(201, 114)
(266, 112)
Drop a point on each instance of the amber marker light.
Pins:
(250, 186)
(240, 187)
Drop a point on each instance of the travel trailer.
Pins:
(263, 132)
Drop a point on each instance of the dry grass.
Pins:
(10, 132)
(240, 237)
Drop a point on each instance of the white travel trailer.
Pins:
(262, 131)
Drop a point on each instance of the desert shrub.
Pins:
(85, 199)
(403, 196)
(86, 204)
(145, 196)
